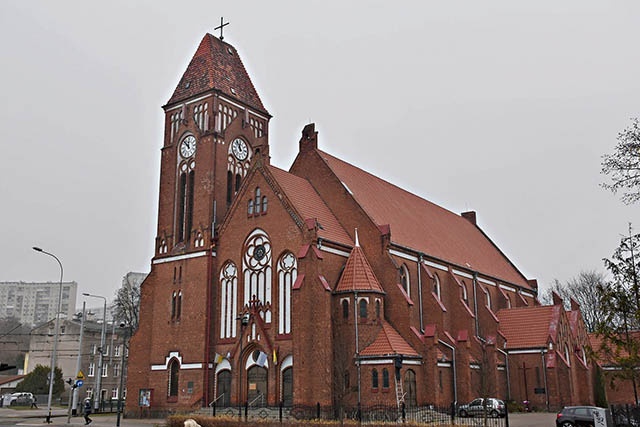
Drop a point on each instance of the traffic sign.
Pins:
(79, 383)
(80, 375)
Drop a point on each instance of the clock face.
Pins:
(239, 149)
(188, 146)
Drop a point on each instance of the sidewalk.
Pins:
(37, 417)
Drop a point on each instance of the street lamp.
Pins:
(102, 339)
(55, 340)
(244, 321)
(127, 333)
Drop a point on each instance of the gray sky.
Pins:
(500, 107)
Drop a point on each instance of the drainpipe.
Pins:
(544, 376)
(453, 364)
(506, 363)
(420, 292)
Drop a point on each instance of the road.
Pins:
(532, 419)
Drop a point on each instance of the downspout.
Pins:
(207, 339)
(355, 321)
(506, 363)
(453, 364)
(420, 292)
(544, 376)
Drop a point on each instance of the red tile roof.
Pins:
(606, 352)
(529, 327)
(217, 65)
(424, 226)
(307, 202)
(357, 274)
(388, 342)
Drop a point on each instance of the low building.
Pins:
(68, 351)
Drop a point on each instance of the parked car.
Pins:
(494, 407)
(575, 416)
(21, 399)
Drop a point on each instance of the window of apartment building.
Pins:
(92, 370)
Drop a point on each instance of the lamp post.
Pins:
(244, 321)
(97, 401)
(55, 339)
(126, 335)
(74, 408)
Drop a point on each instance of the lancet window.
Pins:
(228, 300)
(287, 271)
(257, 270)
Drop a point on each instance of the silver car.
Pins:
(494, 407)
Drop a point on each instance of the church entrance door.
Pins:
(257, 386)
(223, 391)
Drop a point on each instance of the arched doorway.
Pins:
(410, 388)
(223, 389)
(287, 387)
(257, 386)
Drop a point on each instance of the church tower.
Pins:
(215, 127)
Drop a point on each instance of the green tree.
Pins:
(623, 166)
(620, 301)
(37, 381)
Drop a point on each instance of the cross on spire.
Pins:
(221, 27)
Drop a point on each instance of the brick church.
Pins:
(324, 283)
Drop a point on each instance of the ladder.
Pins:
(399, 392)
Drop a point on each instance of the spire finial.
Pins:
(357, 241)
(221, 27)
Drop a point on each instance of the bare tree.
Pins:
(126, 304)
(582, 289)
(623, 166)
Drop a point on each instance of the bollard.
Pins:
(280, 410)
(318, 410)
(246, 410)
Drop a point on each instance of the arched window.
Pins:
(287, 272)
(174, 370)
(258, 201)
(179, 305)
(250, 207)
(229, 186)
(465, 296)
(362, 304)
(174, 297)
(228, 300)
(436, 286)
(404, 279)
(185, 190)
(385, 378)
(256, 269)
(488, 298)
(345, 308)
(377, 309)
(264, 204)
(238, 182)
(374, 378)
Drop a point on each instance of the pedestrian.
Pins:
(87, 412)
(34, 402)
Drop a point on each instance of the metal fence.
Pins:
(376, 414)
(625, 415)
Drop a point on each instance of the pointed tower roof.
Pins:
(216, 65)
(358, 275)
(388, 342)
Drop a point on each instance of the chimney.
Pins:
(309, 139)
(469, 216)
